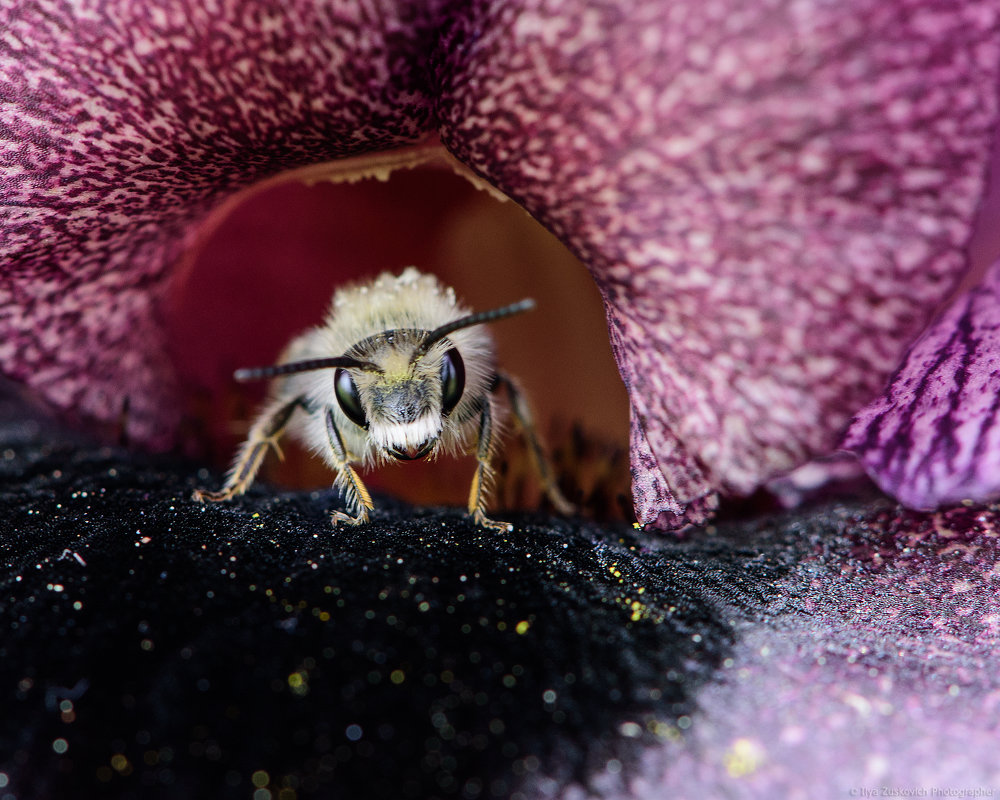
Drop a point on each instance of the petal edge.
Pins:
(934, 437)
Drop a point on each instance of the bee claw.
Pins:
(206, 496)
(338, 517)
(564, 506)
(485, 522)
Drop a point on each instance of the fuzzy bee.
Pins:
(398, 370)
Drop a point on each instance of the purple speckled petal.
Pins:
(934, 436)
(122, 124)
(772, 197)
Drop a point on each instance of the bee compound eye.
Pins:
(452, 380)
(347, 396)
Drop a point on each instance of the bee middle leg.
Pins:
(348, 481)
(522, 415)
(484, 472)
(264, 433)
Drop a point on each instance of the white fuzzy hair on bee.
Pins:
(398, 369)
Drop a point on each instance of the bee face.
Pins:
(404, 397)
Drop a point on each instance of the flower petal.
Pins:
(772, 197)
(934, 436)
(122, 125)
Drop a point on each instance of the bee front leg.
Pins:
(348, 481)
(483, 478)
(522, 415)
(264, 433)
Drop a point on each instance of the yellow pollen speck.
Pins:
(397, 676)
(638, 610)
(744, 757)
(298, 682)
(255, 515)
(522, 626)
(662, 730)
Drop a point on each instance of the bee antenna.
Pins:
(258, 373)
(478, 318)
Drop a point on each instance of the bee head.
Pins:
(399, 385)
(404, 392)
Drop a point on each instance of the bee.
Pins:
(399, 370)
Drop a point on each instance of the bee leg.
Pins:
(484, 473)
(525, 423)
(264, 433)
(348, 481)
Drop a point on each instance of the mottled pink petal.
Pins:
(772, 197)
(123, 123)
(934, 436)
